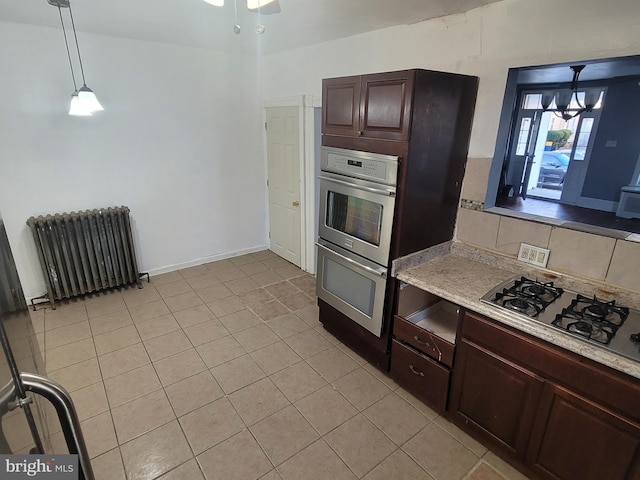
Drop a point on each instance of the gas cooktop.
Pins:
(599, 322)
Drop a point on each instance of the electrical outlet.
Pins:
(534, 255)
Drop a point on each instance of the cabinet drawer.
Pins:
(423, 377)
(422, 340)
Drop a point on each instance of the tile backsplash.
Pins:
(596, 257)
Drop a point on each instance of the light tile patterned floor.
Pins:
(222, 371)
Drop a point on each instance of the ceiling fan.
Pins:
(261, 7)
(264, 7)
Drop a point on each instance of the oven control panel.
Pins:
(365, 165)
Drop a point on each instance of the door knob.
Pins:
(295, 204)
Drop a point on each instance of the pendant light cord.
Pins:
(73, 25)
(235, 11)
(64, 32)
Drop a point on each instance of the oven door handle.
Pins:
(381, 272)
(379, 191)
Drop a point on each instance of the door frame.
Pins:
(306, 105)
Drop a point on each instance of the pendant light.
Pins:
(564, 98)
(83, 101)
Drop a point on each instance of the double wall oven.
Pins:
(357, 202)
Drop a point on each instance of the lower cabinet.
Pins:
(495, 397)
(423, 377)
(551, 413)
(575, 438)
(422, 350)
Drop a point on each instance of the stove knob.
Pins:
(635, 337)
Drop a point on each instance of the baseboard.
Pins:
(190, 263)
(209, 259)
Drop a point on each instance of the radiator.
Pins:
(84, 252)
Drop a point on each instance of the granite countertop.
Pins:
(462, 275)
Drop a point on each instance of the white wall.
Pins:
(179, 142)
(485, 42)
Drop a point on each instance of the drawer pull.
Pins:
(416, 372)
(427, 344)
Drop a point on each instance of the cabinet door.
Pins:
(574, 438)
(385, 105)
(341, 106)
(494, 398)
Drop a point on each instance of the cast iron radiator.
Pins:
(84, 252)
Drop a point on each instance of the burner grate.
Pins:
(585, 327)
(528, 297)
(592, 319)
(545, 292)
(599, 311)
(513, 301)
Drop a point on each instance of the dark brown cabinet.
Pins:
(424, 118)
(425, 378)
(422, 349)
(553, 414)
(376, 106)
(341, 106)
(605, 445)
(495, 398)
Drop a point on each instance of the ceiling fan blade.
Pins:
(265, 8)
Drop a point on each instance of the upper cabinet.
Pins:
(376, 106)
(422, 116)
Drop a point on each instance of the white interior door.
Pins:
(283, 159)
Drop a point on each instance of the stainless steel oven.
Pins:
(351, 284)
(357, 201)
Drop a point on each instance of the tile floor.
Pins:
(222, 371)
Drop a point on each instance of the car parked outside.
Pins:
(578, 156)
(553, 169)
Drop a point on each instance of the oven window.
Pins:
(354, 216)
(350, 286)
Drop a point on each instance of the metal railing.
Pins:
(61, 400)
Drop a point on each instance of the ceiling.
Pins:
(199, 24)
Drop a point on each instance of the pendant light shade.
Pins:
(88, 100)
(76, 108)
(217, 3)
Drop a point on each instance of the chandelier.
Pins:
(262, 7)
(568, 103)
